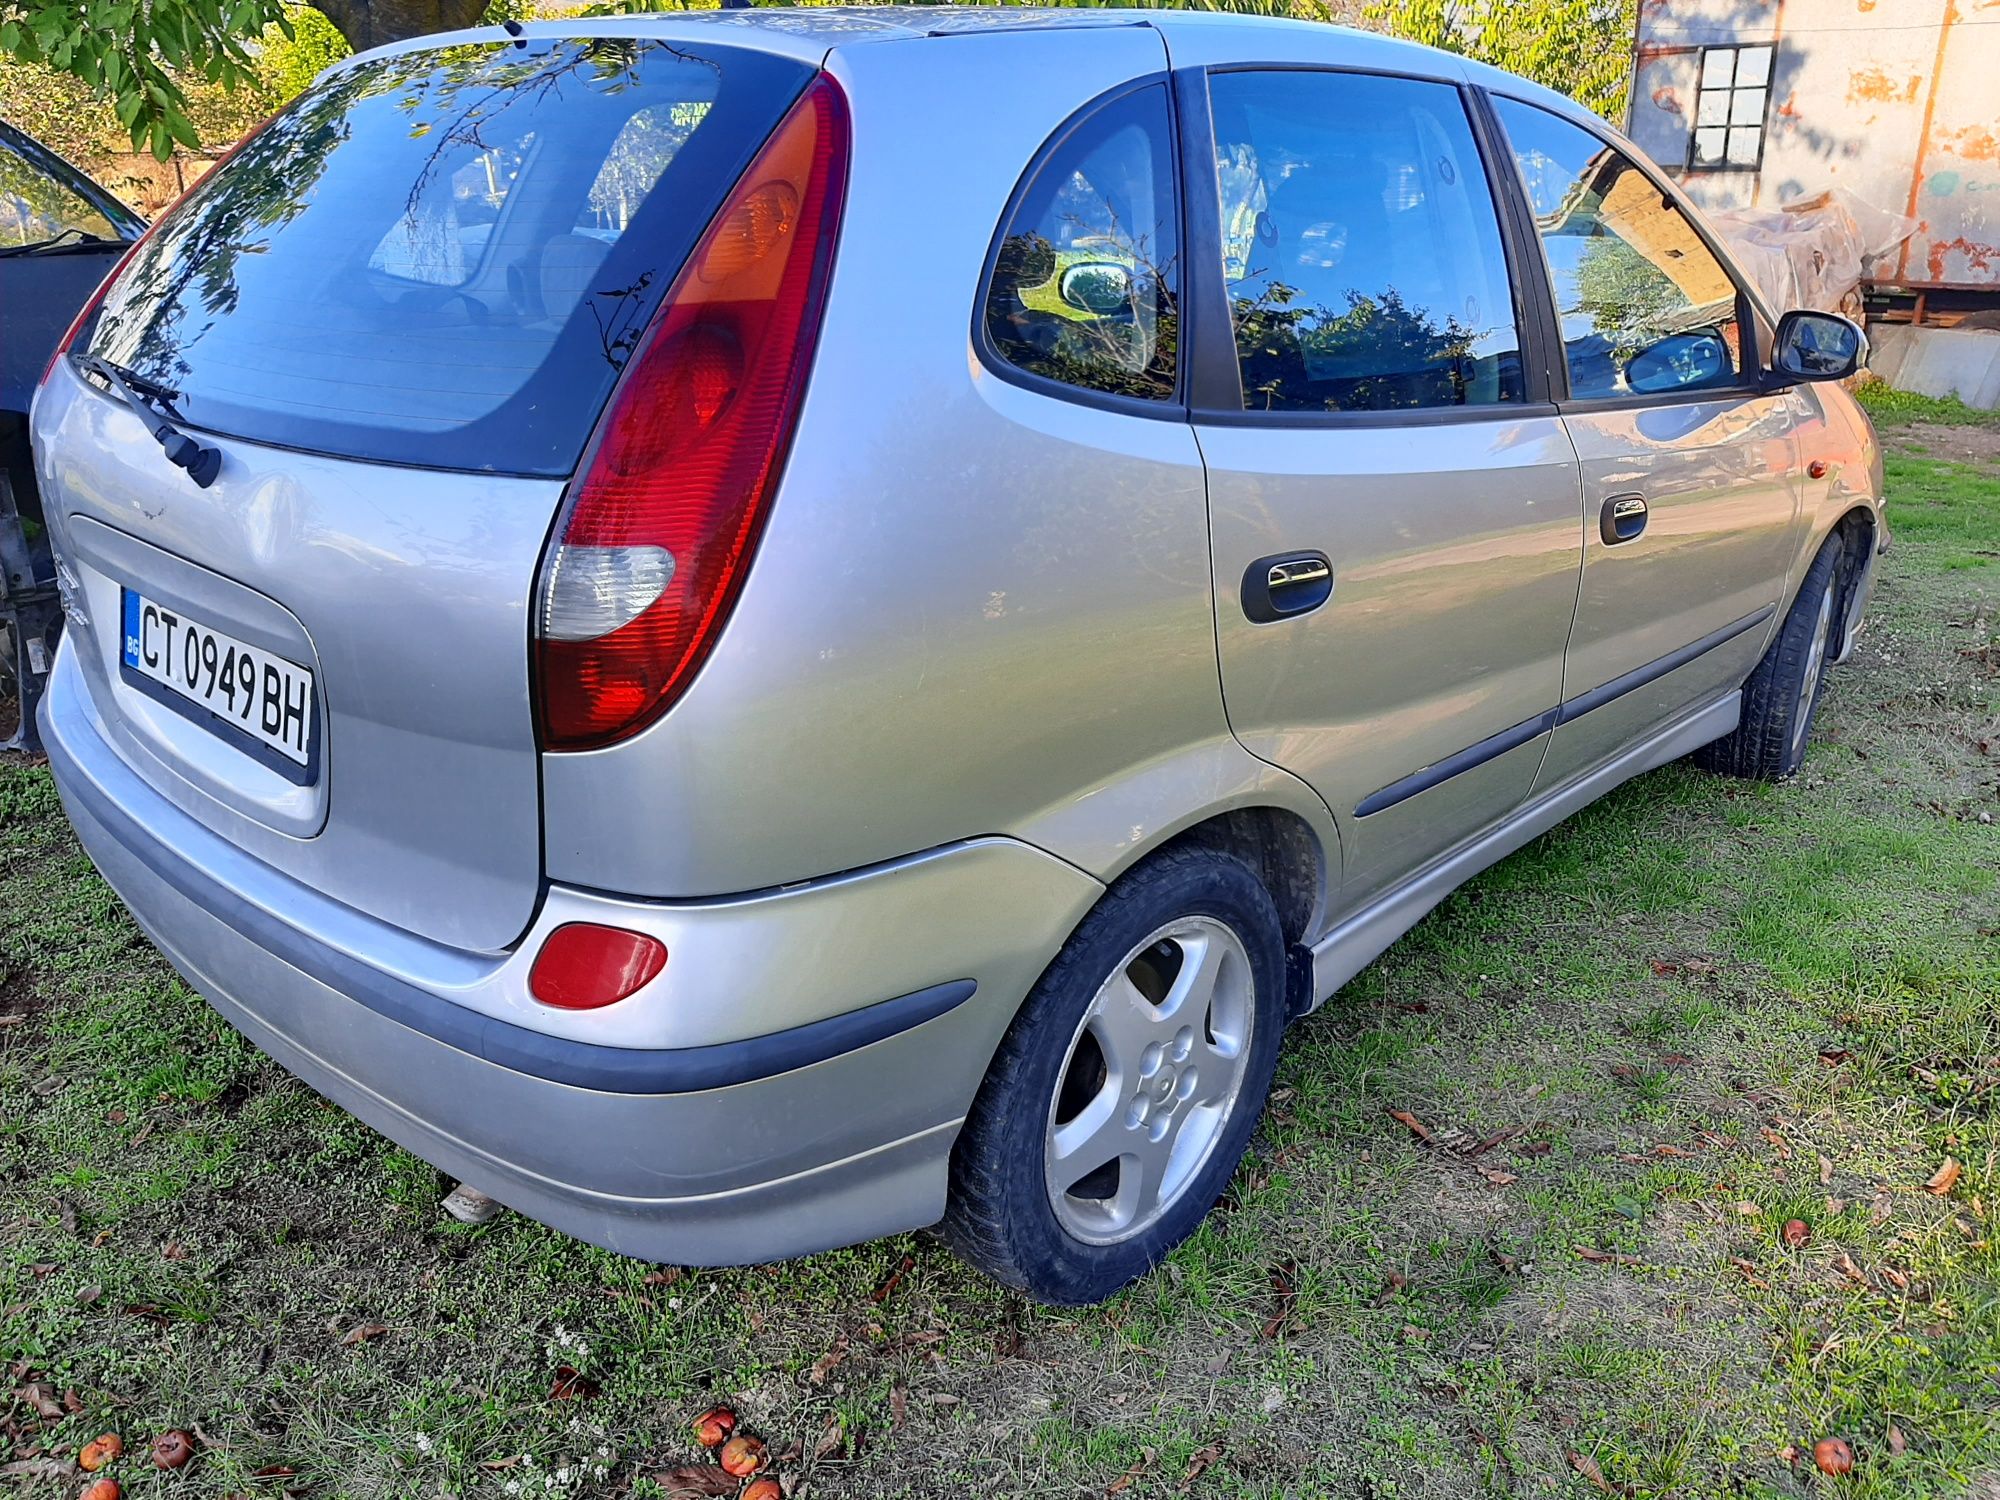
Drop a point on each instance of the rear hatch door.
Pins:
(398, 311)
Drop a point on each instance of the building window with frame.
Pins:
(1733, 95)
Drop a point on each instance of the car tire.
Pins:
(1178, 972)
(1781, 696)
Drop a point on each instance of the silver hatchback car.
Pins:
(759, 628)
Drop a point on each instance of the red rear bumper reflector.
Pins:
(582, 965)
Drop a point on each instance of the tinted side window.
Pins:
(1360, 245)
(1645, 305)
(1085, 286)
(35, 207)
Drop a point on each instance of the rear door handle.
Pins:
(1623, 518)
(1286, 584)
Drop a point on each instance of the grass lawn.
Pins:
(1694, 1013)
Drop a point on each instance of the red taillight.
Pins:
(96, 297)
(582, 965)
(666, 512)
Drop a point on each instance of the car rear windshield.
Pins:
(444, 258)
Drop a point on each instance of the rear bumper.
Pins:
(825, 1132)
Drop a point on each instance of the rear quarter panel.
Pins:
(977, 608)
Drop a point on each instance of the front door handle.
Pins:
(1286, 584)
(1623, 518)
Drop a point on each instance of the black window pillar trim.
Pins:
(1542, 357)
(1208, 344)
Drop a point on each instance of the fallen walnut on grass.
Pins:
(742, 1455)
(712, 1427)
(172, 1449)
(1833, 1456)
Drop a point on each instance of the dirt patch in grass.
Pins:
(1965, 443)
(1691, 1015)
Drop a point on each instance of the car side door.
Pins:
(1687, 456)
(1394, 507)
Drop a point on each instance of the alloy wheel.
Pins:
(1150, 1080)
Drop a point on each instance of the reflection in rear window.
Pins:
(444, 258)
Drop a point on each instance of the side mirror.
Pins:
(1817, 346)
(1100, 287)
(1681, 361)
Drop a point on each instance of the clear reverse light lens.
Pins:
(594, 590)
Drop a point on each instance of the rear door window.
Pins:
(444, 258)
(1360, 245)
(1646, 307)
(1085, 282)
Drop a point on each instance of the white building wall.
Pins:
(1897, 101)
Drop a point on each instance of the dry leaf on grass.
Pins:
(1284, 1282)
(1945, 1178)
(40, 1395)
(36, 1468)
(1396, 1282)
(828, 1362)
(1606, 1257)
(1585, 1465)
(571, 1385)
(1415, 1126)
(1497, 1177)
(361, 1333)
(1130, 1477)
(882, 1293)
(1749, 1270)
(1500, 1139)
(899, 1406)
(832, 1442)
(1199, 1464)
(1898, 1444)
(696, 1479)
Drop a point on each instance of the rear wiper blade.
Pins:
(203, 461)
(69, 242)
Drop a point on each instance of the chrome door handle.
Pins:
(1296, 571)
(1288, 584)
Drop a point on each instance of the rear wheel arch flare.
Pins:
(1282, 848)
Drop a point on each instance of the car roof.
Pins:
(813, 33)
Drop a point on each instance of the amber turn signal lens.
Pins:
(755, 225)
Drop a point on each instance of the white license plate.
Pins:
(241, 690)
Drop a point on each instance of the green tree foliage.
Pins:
(294, 59)
(1582, 48)
(139, 54)
(147, 58)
